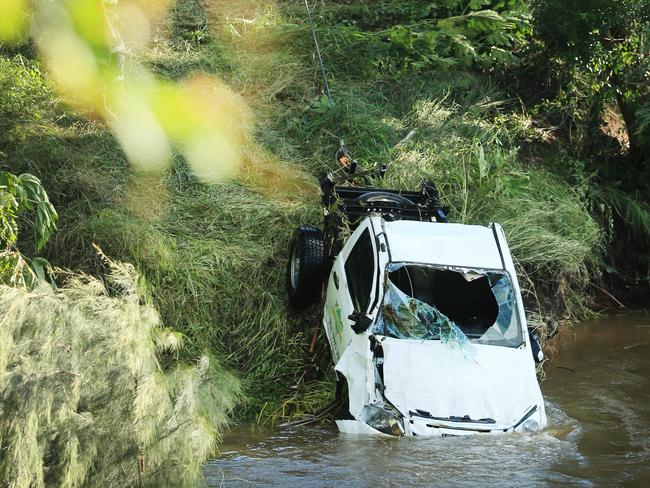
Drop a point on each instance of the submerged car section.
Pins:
(428, 332)
(424, 318)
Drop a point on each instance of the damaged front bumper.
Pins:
(380, 422)
(424, 424)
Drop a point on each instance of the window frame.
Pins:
(522, 324)
(371, 298)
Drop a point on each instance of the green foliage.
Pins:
(355, 117)
(625, 218)
(551, 233)
(25, 100)
(83, 400)
(18, 195)
(643, 129)
(598, 51)
(22, 198)
(596, 58)
(215, 265)
(604, 35)
(416, 35)
(633, 211)
(212, 255)
(308, 401)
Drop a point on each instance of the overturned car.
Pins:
(424, 318)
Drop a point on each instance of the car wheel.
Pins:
(384, 196)
(305, 267)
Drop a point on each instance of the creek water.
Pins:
(597, 389)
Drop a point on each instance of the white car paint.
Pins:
(446, 384)
(338, 304)
(492, 382)
(470, 246)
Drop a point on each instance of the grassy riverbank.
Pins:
(210, 258)
(213, 256)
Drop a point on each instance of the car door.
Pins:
(352, 286)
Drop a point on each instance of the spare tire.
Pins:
(384, 196)
(305, 267)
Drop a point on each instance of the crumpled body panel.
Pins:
(434, 384)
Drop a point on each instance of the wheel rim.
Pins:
(294, 267)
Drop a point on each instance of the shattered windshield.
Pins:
(452, 305)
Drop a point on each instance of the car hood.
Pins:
(442, 381)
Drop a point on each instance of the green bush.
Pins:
(83, 399)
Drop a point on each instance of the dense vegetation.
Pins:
(84, 400)
(544, 134)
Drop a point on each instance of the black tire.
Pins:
(384, 196)
(342, 410)
(305, 268)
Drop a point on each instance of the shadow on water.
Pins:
(598, 402)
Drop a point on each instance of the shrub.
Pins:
(83, 399)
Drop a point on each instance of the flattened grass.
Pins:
(213, 257)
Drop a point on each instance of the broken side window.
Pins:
(425, 302)
(359, 272)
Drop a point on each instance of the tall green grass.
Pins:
(553, 237)
(213, 256)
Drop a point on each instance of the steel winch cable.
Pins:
(318, 53)
(351, 169)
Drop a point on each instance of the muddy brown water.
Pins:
(597, 390)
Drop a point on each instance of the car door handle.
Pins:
(336, 280)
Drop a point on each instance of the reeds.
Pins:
(83, 398)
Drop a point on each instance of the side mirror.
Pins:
(535, 346)
(360, 322)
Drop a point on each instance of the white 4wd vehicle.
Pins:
(424, 318)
